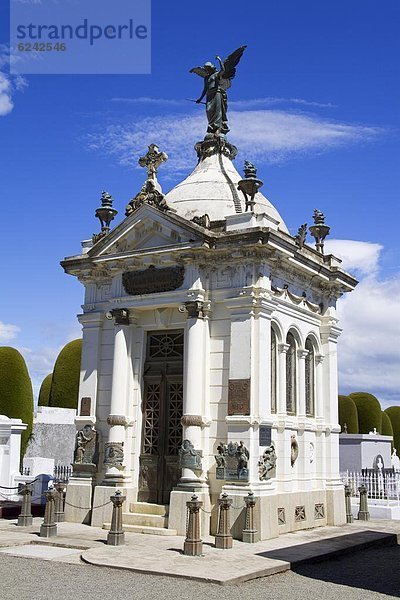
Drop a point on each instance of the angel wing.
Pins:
(199, 71)
(231, 62)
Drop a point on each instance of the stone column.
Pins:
(282, 352)
(193, 386)
(301, 391)
(319, 400)
(117, 419)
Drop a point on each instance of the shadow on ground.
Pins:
(373, 567)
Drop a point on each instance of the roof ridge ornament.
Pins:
(250, 185)
(150, 192)
(105, 214)
(319, 230)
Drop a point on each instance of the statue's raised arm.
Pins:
(216, 82)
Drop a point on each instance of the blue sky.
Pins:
(315, 104)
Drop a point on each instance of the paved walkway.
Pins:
(149, 554)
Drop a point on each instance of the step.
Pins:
(144, 520)
(144, 529)
(149, 509)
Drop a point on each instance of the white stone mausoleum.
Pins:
(209, 358)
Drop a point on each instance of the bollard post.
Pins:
(347, 497)
(48, 528)
(223, 538)
(363, 514)
(250, 533)
(116, 535)
(25, 518)
(193, 546)
(59, 514)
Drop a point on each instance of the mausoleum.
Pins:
(209, 359)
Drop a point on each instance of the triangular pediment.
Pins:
(147, 228)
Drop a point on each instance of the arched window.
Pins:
(310, 378)
(273, 370)
(291, 375)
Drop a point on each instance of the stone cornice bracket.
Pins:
(122, 420)
(120, 316)
(194, 309)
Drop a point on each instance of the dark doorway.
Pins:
(162, 409)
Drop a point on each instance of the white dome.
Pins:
(212, 189)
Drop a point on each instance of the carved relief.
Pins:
(267, 463)
(189, 458)
(294, 449)
(86, 446)
(114, 454)
(232, 462)
(192, 421)
(118, 420)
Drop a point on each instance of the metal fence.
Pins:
(381, 487)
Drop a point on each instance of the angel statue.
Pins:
(215, 85)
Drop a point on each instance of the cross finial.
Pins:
(152, 160)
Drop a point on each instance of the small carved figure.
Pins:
(243, 456)
(85, 445)
(220, 457)
(114, 454)
(189, 457)
(215, 85)
(267, 463)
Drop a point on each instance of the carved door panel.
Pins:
(162, 411)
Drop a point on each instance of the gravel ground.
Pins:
(370, 574)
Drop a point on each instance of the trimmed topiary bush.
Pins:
(393, 413)
(369, 412)
(65, 383)
(44, 394)
(348, 414)
(16, 395)
(387, 428)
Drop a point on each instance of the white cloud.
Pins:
(8, 332)
(362, 257)
(6, 103)
(265, 136)
(369, 348)
(237, 104)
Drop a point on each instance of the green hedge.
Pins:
(16, 395)
(387, 428)
(348, 414)
(393, 413)
(369, 412)
(65, 383)
(44, 394)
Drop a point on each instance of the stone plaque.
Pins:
(239, 397)
(264, 436)
(152, 280)
(85, 407)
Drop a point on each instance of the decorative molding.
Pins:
(281, 516)
(114, 454)
(194, 309)
(297, 300)
(319, 358)
(122, 420)
(300, 513)
(319, 511)
(302, 353)
(283, 348)
(192, 421)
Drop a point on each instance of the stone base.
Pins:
(178, 511)
(193, 548)
(223, 542)
(363, 515)
(78, 500)
(48, 531)
(59, 517)
(285, 512)
(25, 521)
(102, 505)
(116, 539)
